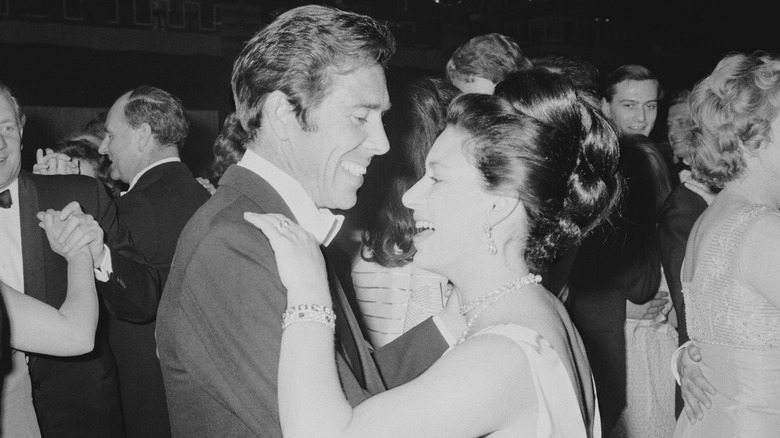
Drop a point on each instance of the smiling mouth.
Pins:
(420, 226)
(353, 168)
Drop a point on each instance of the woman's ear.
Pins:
(504, 207)
(279, 115)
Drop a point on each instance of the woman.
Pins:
(393, 293)
(729, 274)
(36, 327)
(78, 154)
(515, 179)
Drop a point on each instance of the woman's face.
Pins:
(450, 207)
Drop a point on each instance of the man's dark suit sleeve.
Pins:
(678, 215)
(410, 354)
(133, 289)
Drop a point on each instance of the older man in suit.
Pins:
(310, 92)
(145, 131)
(73, 397)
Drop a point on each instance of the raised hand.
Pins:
(80, 230)
(53, 163)
(298, 258)
(53, 226)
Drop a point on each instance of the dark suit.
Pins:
(77, 396)
(154, 212)
(678, 215)
(219, 325)
(618, 261)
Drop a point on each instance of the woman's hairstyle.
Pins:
(229, 146)
(418, 116)
(733, 108)
(491, 56)
(76, 145)
(642, 161)
(545, 142)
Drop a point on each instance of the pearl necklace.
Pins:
(492, 297)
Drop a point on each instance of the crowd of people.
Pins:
(527, 260)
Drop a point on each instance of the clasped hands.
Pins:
(71, 232)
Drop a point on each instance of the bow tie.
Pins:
(5, 199)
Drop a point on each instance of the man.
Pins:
(680, 211)
(631, 99)
(310, 92)
(145, 131)
(485, 60)
(77, 396)
(618, 272)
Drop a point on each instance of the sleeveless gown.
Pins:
(738, 332)
(559, 412)
(17, 412)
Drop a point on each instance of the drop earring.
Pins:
(491, 244)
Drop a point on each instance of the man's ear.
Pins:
(605, 108)
(143, 136)
(279, 115)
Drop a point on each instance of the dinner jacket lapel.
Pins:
(351, 339)
(32, 240)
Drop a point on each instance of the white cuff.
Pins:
(104, 271)
(445, 332)
(676, 359)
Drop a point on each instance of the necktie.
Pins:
(5, 199)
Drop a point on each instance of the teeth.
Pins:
(424, 225)
(353, 168)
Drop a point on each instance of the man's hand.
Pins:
(53, 163)
(648, 310)
(694, 386)
(89, 233)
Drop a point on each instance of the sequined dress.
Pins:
(738, 332)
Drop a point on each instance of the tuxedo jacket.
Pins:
(153, 213)
(618, 261)
(219, 323)
(77, 396)
(678, 214)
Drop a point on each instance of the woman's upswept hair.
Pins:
(544, 141)
(229, 147)
(733, 109)
(418, 116)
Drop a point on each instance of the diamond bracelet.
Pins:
(309, 312)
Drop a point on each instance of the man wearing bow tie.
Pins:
(310, 91)
(73, 397)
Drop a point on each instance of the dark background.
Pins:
(67, 60)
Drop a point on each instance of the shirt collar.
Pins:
(147, 168)
(323, 224)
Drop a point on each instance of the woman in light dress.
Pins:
(36, 327)
(731, 272)
(515, 179)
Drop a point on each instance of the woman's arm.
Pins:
(37, 327)
(478, 388)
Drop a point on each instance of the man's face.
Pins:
(119, 143)
(679, 122)
(345, 132)
(633, 107)
(10, 143)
